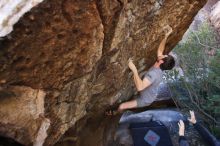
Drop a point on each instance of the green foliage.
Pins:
(216, 130)
(199, 57)
(215, 70)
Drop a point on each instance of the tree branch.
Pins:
(198, 107)
(197, 37)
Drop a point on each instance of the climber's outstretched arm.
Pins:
(160, 51)
(140, 84)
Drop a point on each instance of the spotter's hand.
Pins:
(192, 118)
(181, 128)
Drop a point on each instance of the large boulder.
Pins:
(76, 52)
(215, 16)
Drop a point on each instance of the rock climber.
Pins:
(148, 87)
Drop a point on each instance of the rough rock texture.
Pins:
(21, 113)
(202, 16)
(77, 51)
(215, 17)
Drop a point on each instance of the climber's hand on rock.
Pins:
(168, 30)
(131, 65)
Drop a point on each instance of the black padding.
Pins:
(140, 130)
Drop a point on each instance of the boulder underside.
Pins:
(75, 54)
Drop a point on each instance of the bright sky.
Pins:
(11, 11)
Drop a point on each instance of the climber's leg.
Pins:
(128, 105)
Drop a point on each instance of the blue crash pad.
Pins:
(150, 134)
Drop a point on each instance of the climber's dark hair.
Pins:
(168, 63)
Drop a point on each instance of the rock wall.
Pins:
(21, 112)
(215, 17)
(76, 52)
(202, 16)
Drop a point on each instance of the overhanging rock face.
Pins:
(76, 52)
(215, 16)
